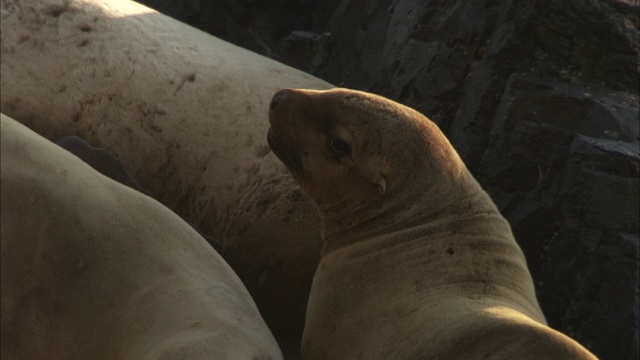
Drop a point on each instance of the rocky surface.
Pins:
(562, 165)
(540, 98)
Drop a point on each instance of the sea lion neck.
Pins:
(418, 207)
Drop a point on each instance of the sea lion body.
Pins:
(417, 261)
(108, 165)
(100, 159)
(185, 112)
(92, 269)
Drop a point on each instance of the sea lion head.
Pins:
(360, 156)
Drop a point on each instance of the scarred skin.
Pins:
(417, 260)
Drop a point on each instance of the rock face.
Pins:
(539, 98)
(562, 164)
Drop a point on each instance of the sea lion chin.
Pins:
(285, 153)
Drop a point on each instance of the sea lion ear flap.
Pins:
(377, 174)
(378, 179)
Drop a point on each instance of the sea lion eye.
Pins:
(338, 147)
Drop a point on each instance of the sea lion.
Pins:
(92, 269)
(101, 160)
(109, 165)
(417, 261)
(185, 113)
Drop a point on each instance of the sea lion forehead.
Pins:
(364, 117)
(343, 107)
(368, 106)
(365, 120)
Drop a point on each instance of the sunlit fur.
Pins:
(417, 261)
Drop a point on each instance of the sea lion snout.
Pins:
(279, 130)
(279, 105)
(280, 97)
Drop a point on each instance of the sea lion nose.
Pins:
(279, 98)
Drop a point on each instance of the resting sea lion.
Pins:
(185, 113)
(109, 165)
(101, 160)
(417, 261)
(92, 269)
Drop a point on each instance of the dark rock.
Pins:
(304, 50)
(602, 193)
(589, 289)
(535, 126)
(593, 112)
(562, 163)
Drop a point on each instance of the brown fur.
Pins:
(417, 261)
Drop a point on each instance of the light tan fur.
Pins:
(92, 269)
(185, 112)
(417, 262)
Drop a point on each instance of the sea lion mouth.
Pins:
(283, 151)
